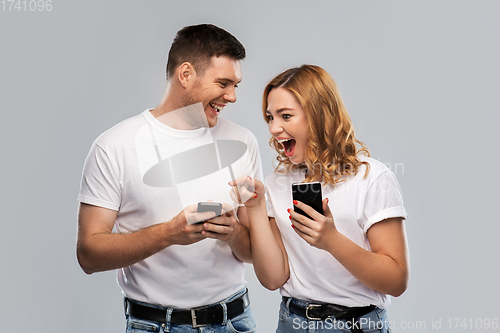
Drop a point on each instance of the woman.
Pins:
(336, 269)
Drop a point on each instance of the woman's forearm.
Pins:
(268, 253)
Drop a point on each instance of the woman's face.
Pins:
(288, 123)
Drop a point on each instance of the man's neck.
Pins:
(188, 117)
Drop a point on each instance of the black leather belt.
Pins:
(201, 316)
(314, 311)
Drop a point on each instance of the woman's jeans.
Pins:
(239, 324)
(375, 321)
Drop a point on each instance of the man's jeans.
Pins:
(239, 324)
(375, 321)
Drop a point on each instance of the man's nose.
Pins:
(230, 95)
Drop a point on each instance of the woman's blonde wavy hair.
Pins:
(332, 151)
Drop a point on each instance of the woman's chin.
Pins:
(296, 160)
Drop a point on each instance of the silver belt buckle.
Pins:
(193, 317)
(309, 307)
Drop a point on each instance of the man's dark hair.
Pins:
(197, 44)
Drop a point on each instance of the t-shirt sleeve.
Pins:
(100, 185)
(383, 200)
(269, 204)
(256, 165)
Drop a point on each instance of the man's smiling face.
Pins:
(216, 87)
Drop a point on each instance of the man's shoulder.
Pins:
(225, 124)
(122, 132)
(227, 129)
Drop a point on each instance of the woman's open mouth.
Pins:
(289, 145)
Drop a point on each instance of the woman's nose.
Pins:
(275, 127)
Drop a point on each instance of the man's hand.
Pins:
(223, 227)
(99, 249)
(227, 229)
(184, 228)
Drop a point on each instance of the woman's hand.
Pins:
(384, 268)
(247, 190)
(269, 257)
(316, 231)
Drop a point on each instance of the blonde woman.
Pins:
(335, 270)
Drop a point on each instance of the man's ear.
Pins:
(186, 74)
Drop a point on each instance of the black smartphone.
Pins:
(310, 194)
(215, 207)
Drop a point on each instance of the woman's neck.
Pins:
(318, 178)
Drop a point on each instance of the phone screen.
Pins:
(310, 194)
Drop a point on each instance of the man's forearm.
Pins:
(240, 245)
(107, 251)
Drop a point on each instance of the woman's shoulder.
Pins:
(277, 177)
(273, 177)
(376, 167)
(376, 164)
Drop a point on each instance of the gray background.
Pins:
(419, 78)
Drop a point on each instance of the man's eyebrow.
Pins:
(227, 80)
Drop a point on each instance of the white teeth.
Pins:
(284, 140)
(217, 107)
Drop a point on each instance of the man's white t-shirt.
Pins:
(114, 177)
(356, 204)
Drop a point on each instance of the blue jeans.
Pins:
(375, 321)
(243, 323)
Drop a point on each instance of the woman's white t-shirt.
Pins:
(356, 204)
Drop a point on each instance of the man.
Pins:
(144, 177)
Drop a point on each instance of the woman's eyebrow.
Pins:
(283, 109)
